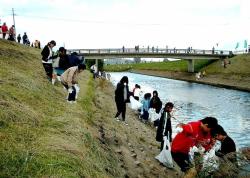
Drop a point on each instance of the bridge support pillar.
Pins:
(96, 63)
(191, 65)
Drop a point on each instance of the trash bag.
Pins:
(165, 156)
(134, 104)
(210, 160)
(153, 116)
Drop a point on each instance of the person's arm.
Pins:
(70, 78)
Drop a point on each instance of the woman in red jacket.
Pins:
(4, 30)
(193, 134)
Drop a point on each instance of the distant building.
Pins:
(118, 61)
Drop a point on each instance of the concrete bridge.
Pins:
(187, 54)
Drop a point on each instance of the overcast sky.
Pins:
(114, 23)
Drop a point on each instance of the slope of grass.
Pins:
(180, 66)
(240, 65)
(40, 134)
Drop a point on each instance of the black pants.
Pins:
(121, 108)
(72, 95)
(182, 160)
(48, 69)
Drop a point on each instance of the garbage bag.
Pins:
(153, 116)
(134, 104)
(165, 156)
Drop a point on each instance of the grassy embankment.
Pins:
(40, 134)
(236, 75)
(178, 66)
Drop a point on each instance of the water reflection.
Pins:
(195, 101)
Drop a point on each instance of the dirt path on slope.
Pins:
(135, 144)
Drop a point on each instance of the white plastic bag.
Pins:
(77, 90)
(210, 160)
(134, 104)
(153, 116)
(165, 156)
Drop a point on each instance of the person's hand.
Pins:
(180, 125)
(70, 90)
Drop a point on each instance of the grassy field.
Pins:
(40, 134)
(178, 66)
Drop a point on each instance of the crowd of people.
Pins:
(202, 133)
(10, 34)
(63, 67)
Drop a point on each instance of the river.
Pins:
(195, 101)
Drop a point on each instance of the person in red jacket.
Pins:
(193, 134)
(4, 30)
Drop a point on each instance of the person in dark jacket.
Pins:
(25, 38)
(227, 154)
(165, 126)
(122, 97)
(74, 59)
(156, 103)
(47, 56)
(227, 143)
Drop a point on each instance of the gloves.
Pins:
(70, 90)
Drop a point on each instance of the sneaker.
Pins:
(70, 102)
(117, 119)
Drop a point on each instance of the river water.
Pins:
(195, 101)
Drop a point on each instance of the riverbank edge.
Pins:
(188, 77)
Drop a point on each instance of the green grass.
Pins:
(40, 134)
(180, 66)
(240, 65)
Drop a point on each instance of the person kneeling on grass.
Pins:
(69, 79)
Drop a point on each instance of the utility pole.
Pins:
(13, 15)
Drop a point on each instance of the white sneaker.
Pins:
(70, 102)
(117, 119)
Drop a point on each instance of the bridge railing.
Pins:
(149, 51)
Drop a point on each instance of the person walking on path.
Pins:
(25, 39)
(69, 78)
(193, 134)
(165, 126)
(12, 33)
(19, 38)
(156, 103)
(122, 97)
(4, 30)
(47, 56)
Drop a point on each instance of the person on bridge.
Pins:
(121, 98)
(165, 126)
(156, 103)
(69, 79)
